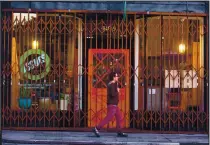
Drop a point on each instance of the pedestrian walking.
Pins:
(112, 106)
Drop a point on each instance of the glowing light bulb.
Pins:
(181, 48)
(35, 44)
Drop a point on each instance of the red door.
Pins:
(101, 62)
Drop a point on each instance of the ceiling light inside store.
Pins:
(35, 44)
(181, 48)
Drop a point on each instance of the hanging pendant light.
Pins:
(181, 48)
(182, 45)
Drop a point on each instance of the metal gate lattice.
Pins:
(55, 67)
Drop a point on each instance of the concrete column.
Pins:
(80, 58)
(136, 60)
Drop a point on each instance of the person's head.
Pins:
(114, 76)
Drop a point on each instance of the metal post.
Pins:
(161, 63)
(145, 62)
(0, 76)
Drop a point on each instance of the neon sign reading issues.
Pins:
(38, 67)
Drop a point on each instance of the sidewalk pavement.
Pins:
(63, 137)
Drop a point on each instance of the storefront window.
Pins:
(174, 62)
(46, 58)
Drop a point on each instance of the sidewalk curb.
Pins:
(94, 142)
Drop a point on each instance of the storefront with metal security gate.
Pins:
(55, 64)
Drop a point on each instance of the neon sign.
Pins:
(37, 67)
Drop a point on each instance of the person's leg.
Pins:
(111, 111)
(119, 120)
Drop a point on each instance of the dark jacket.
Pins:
(112, 94)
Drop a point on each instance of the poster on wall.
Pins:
(189, 79)
(172, 79)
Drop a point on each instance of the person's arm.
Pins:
(118, 89)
